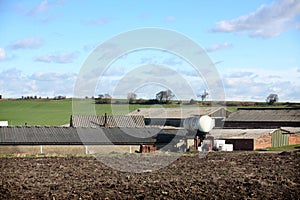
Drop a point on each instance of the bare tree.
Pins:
(164, 96)
(131, 96)
(203, 96)
(272, 98)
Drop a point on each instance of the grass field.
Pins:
(58, 112)
(53, 112)
(36, 112)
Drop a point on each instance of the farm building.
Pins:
(70, 140)
(175, 116)
(86, 140)
(264, 118)
(252, 139)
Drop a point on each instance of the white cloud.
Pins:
(256, 84)
(3, 55)
(67, 57)
(267, 21)
(42, 11)
(14, 83)
(43, 6)
(241, 74)
(27, 43)
(217, 47)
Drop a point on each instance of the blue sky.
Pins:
(253, 43)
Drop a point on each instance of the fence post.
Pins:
(86, 150)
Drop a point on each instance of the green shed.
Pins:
(279, 138)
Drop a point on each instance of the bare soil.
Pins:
(219, 175)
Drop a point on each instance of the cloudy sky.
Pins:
(253, 44)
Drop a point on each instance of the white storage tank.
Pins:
(203, 123)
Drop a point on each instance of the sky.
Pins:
(253, 45)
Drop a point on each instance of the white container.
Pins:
(3, 123)
(203, 123)
(226, 147)
(219, 143)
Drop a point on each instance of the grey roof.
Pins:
(180, 113)
(265, 114)
(290, 130)
(70, 135)
(240, 133)
(113, 121)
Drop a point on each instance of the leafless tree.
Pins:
(204, 95)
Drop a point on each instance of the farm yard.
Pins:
(219, 175)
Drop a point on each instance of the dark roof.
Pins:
(265, 115)
(25, 135)
(113, 121)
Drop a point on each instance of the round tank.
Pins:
(203, 123)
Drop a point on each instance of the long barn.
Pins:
(85, 140)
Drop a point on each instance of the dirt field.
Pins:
(236, 175)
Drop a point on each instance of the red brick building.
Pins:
(252, 139)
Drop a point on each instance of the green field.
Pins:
(36, 112)
(54, 112)
(58, 112)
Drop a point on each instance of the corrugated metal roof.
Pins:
(70, 135)
(113, 121)
(263, 114)
(179, 113)
(290, 130)
(240, 133)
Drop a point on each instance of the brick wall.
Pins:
(294, 139)
(263, 142)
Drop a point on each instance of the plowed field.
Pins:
(219, 175)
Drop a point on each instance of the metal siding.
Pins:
(279, 139)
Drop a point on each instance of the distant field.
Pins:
(53, 112)
(36, 112)
(58, 112)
